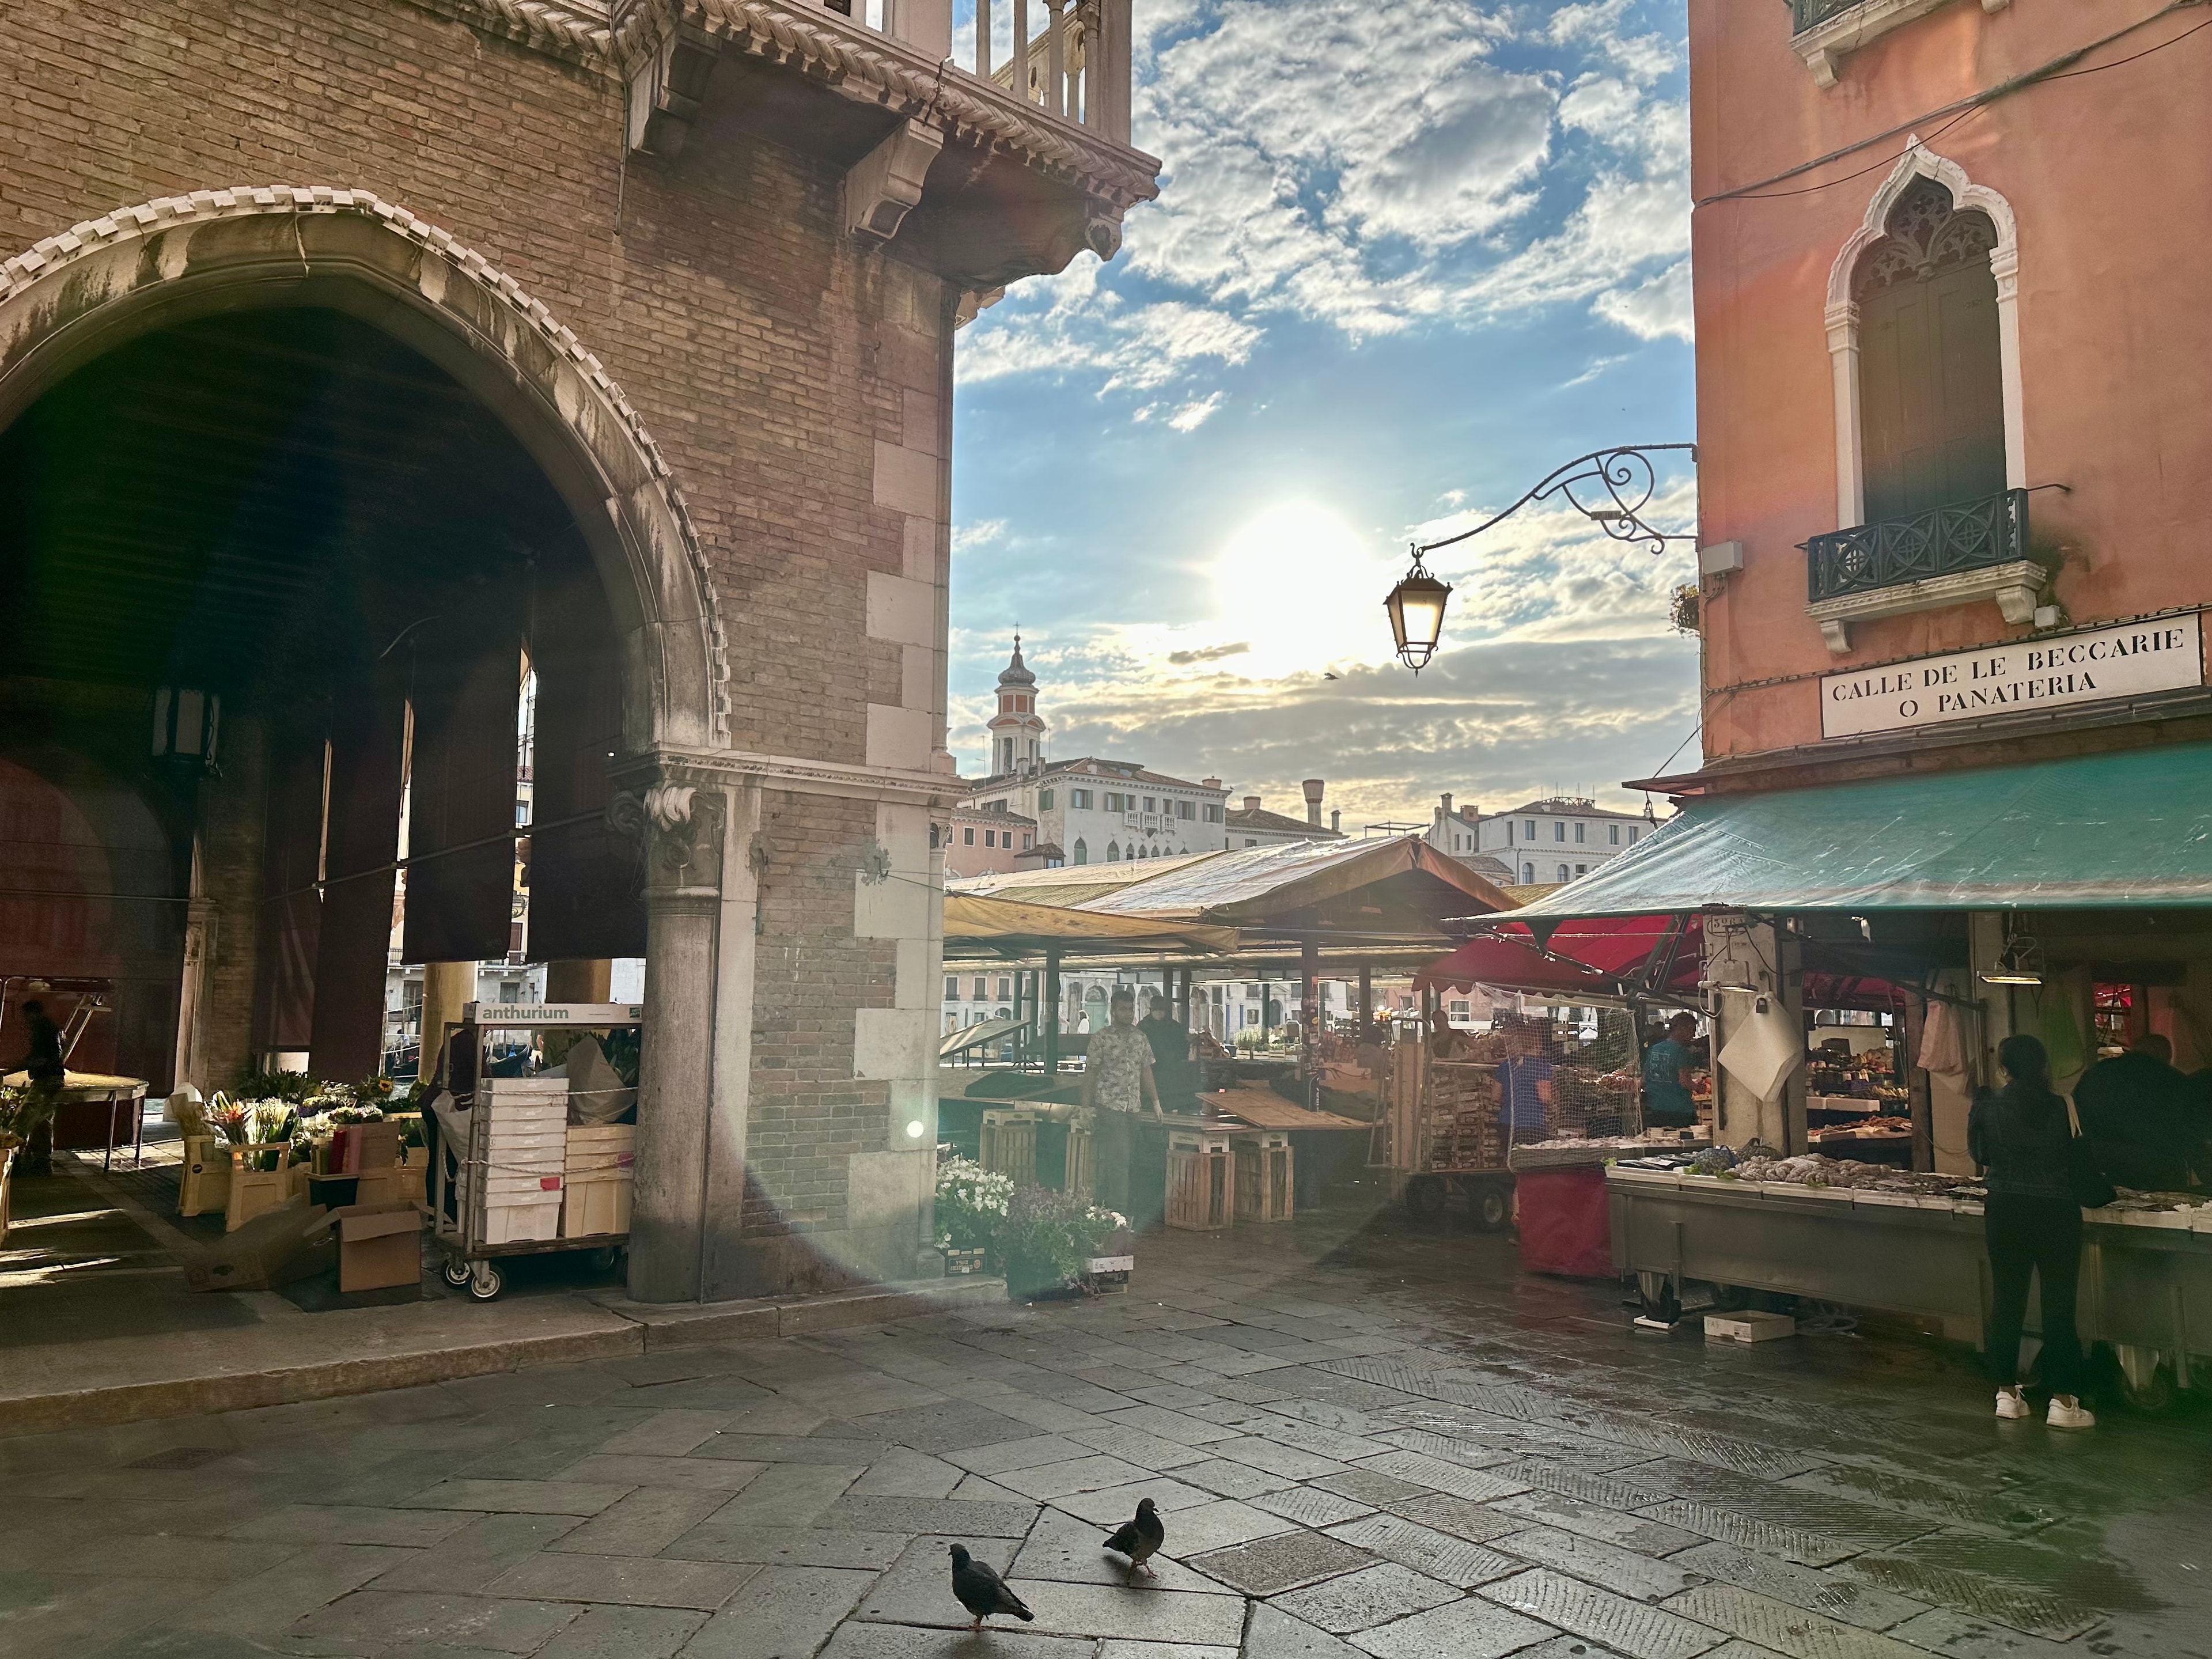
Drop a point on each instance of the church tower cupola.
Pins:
(1016, 729)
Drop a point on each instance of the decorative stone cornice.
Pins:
(852, 62)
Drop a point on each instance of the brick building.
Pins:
(349, 352)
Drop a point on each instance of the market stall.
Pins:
(1866, 1237)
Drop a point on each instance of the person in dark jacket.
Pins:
(2021, 1138)
(2135, 1110)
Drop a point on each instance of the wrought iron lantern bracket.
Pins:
(1610, 487)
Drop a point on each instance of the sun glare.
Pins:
(1302, 586)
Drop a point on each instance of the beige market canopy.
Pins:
(1399, 887)
(978, 925)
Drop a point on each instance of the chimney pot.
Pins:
(1251, 803)
(1209, 783)
(1313, 788)
(1336, 822)
(1447, 805)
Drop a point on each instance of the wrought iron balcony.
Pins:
(1944, 541)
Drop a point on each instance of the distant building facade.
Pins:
(1558, 839)
(985, 843)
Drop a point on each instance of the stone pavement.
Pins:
(1365, 1446)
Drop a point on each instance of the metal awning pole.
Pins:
(1052, 1018)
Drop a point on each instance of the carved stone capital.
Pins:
(678, 828)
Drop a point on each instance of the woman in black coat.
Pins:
(2022, 1137)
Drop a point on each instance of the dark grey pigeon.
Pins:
(980, 1589)
(1139, 1538)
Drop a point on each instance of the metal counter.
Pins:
(2146, 1277)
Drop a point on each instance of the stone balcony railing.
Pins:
(987, 170)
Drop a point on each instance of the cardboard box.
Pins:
(358, 1148)
(379, 1245)
(1750, 1327)
(275, 1248)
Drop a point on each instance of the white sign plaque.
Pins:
(2091, 666)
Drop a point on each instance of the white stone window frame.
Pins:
(1825, 46)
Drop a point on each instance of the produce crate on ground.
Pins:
(1009, 1144)
(1202, 1179)
(1266, 1186)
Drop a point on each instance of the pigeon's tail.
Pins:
(1019, 1609)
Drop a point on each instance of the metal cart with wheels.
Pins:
(457, 1217)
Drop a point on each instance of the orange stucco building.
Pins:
(1973, 334)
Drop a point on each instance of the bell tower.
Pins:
(1016, 729)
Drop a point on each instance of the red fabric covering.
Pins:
(1489, 959)
(1565, 1222)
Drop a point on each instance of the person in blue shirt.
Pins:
(1668, 1103)
(1525, 1082)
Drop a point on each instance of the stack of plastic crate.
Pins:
(601, 1173)
(525, 1142)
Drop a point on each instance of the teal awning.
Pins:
(2099, 830)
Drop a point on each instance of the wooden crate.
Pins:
(1267, 1184)
(1009, 1143)
(1202, 1179)
(1082, 1156)
(205, 1183)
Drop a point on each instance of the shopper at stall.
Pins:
(46, 1069)
(1171, 1045)
(1667, 1103)
(2135, 1111)
(2021, 1137)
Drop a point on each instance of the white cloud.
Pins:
(1372, 169)
(971, 538)
(1191, 416)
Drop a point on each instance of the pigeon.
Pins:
(1139, 1538)
(980, 1589)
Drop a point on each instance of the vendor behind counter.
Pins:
(1668, 1102)
(2139, 1113)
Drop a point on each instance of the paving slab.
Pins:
(1165, 1615)
(692, 1474)
(792, 1495)
(1271, 1633)
(1289, 1462)
(1062, 1547)
(784, 1612)
(917, 1589)
(628, 1581)
(1467, 1629)
(715, 1539)
(369, 1620)
(1220, 1523)
(829, 1450)
(345, 1523)
(867, 1641)
(466, 1560)
(2017, 1605)
(1118, 1647)
(1046, 1481)
(1286, 1561)
(1226, 1478)
(1370, 1596)
(646, 1522)
(1110, 1506)
(1767, 1537)
(1598, 1615)
(519, 1497)
(1961, 1636)
(1831, 1593)
(624, 1634)
(1455, 1561)
(1309, 1506)
(1644, 1530)
(1795, 1630)
(1462, 1517)
(950, 1515)
(1625, 1573)
(1423, 1470)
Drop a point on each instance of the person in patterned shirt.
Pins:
(1117, 1066)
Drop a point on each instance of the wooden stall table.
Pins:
(1315, 1142)
(87, 1110)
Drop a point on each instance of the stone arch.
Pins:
(1917, 162)
(74, 296)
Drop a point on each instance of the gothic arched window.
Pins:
(1081, 853)
(1113, 852)
(1931, 385)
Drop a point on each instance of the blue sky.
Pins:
(1405, 259)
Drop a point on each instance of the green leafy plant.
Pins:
(1049, 1233)
(971, 1205)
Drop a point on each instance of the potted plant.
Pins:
(971, 1207)
(1049, 1241)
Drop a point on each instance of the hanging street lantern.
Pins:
(184, 722)
(1609, 487)
(1416, 605)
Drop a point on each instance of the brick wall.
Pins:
(784, 371)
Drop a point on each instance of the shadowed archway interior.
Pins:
(294, 510)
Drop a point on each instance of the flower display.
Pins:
(972, 1203)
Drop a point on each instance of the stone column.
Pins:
(447, 987)
(683, 829)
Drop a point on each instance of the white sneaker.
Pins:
(2009, 1403)
(2066, 1412)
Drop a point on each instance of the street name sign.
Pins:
(2090, 665)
